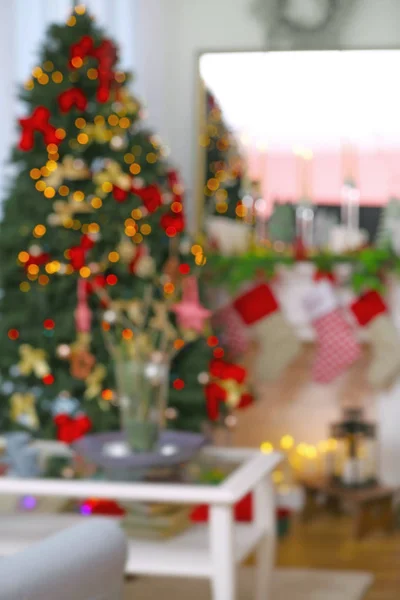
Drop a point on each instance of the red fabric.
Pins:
(233, 330)
(368, 307)
(150, 196)
(38, 121)
(256, 304)
(337, 347)
(70, 428)
(73, 97)
(243, 511)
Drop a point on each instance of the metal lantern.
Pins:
(355, 461)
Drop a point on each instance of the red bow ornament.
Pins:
(70, 428)
(38, 121)
(39, 260)
(73, 97)
(151, 197)
(227, 386)
(106, 55)
(77, 254)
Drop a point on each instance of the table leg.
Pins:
(265, 520)
(222, 541)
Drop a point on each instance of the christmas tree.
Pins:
(91, 241)
(224, 165)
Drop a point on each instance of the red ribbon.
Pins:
(78, 254)
(70, 428)
(38, 121)
(73, 97)
(106, 55)
(40, 259)
(150, 196)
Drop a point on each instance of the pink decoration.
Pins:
(190, 313)
(83, 314)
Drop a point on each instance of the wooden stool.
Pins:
(372, 507)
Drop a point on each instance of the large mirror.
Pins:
(302, 144)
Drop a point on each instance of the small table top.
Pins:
(241, 468)
(326, 486)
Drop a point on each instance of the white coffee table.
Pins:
(212, 550)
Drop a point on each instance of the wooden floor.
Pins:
(326, 543)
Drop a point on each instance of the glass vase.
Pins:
(142, 386)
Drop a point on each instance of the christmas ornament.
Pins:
(190, 313)
(83, 314)
(77, 254)
(173, 223)
(64, 403)
(39, 259)
(94, 382)
(64, 211)
(106, 55)
(37, 122)
(145, 267)
(151, 196)
(72, 98)
(82, 362)
(227, 386)
(126, 250)
(71, 169)
(70, 428)
(277, 343)
(98, 132)
(33, 360)
(112, 173)
(63, 351)
(161, 321)
(171, 268)
(23, 410)
(371, 312)
(337, 347)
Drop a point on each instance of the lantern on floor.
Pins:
(355, 462)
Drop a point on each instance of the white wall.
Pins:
(209, 25)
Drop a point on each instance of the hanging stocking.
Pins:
(337, 347)
(234, 334)
(277, 343)
(371, 312)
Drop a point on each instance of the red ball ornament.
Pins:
(178, 384)
(48, 379)
(49, 324)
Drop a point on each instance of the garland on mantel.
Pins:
(369, 266)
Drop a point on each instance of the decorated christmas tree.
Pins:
(224, 165)
(92, 248)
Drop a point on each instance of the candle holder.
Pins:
(355, 457)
